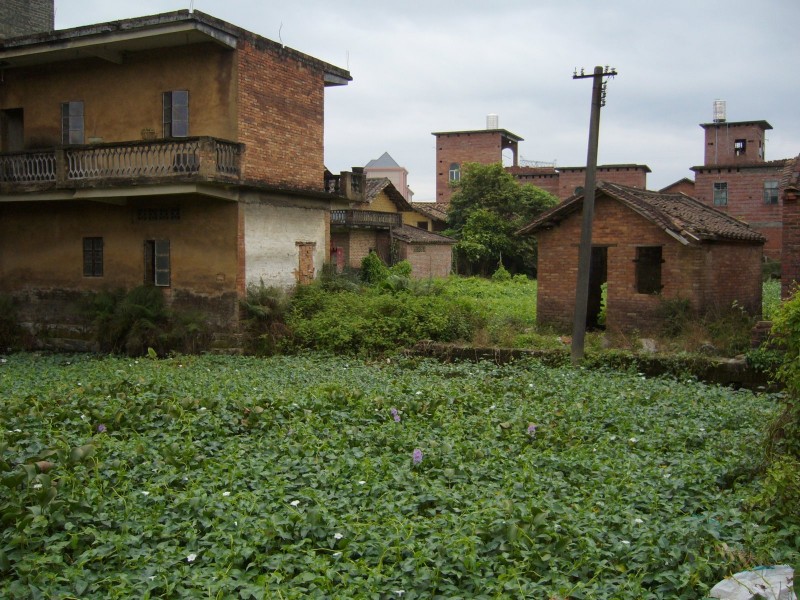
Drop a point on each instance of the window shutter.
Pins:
(162, 270)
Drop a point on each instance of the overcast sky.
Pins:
(424, 66)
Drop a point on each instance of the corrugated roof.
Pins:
(681, 216)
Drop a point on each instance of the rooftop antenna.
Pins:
(280, 39)
(191, 6)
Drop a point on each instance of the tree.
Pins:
(486, 209)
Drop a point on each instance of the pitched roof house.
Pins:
(175, 150)
(648, 247)
(385, 222)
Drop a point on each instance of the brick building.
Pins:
(385, 222)
(647, 247)
(790, 263)
(26, 17)
(736, 178)
(175, 150)
(454, 148)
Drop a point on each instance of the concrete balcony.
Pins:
(124, 163)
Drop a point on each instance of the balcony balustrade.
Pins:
(142, 161)
(365, 218)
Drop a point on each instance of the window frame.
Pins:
(175, 114)
(649, 261)
(720, 193)
(454, 172)
(93, 256)
(72, 123)
(740, 147)
(771, 192)
(157, 263)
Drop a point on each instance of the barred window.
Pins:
(92, 257)
(720, 193)
(648, 269)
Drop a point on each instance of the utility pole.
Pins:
(585, 250)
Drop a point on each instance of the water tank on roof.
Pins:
(719, 111)
(492, 121)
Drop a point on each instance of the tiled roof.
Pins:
(681, 216)
(791, 174)
(407, 233)
(377, 185)
(433, 210)
(385, 160)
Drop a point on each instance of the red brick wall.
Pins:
(280, 105)
(563, 182)
(746, 198)
(790, 262)
(429, 260)
(720, 139)
(687, 272)
(484, 147)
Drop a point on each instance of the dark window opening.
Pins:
(72, 122)
(12, 130)
(159, 214)
(739, 147)
(648, 270)
(770, 192)
(157, 263)
(422, 225)
(176, 113)
(93, 257)
(720, 193)
(578, 190)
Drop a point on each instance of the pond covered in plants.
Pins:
(316, 476)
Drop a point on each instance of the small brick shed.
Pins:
(648, 247)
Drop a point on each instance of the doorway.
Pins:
(598, 275)
(12, 130)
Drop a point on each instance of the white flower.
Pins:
(633, 440)
(626, 542)
(3, 360)
(638, 521)
(419, 393)
(191, 557)
(362, 482)
(399, 592)
(612, 438)
(666, 475)
(37, 486)
(294, 502)
(337, 554)
(151, 577)
(226, 493)
(203, 408)
(337, 536)
(18, 430)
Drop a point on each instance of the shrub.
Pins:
(265, 321)
(10, 331)
(373, 271)
(133, 322)
(675, 314)
(501, 274)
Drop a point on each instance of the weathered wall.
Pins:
(746, 198)
(571, 178)
(271, 234)
(24, 17)
(122, 99)
(281, 116)
(45, 261)
(427, 260)
(720, 139)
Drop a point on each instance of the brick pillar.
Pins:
(790, 252)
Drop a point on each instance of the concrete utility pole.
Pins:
(585, 251)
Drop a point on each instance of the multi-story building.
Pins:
(735, 176)
(175, 150)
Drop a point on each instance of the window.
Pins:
(770, 192)
(176, 113)
(578, 190)
(739, 147)
(72, 122)
(93, 257)
(422, 225)
(156, 262)
(648, 269)
(720, 193)
(419, 248)
(455, 172)
(159, 214)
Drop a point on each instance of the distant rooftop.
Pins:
(384, 161)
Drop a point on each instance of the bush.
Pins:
(373, 271)
(675, 314)
(136, 321)
(265, 321)
(10, 331)
(501, 274)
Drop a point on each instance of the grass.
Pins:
(294, 477)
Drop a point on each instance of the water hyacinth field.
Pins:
(322, 477)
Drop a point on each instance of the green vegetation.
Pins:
(323, 477)
(10, 332)
(487, 208)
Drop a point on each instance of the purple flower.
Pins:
(395, 415)
(416, 457)
(532, 429)
(101, 428)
